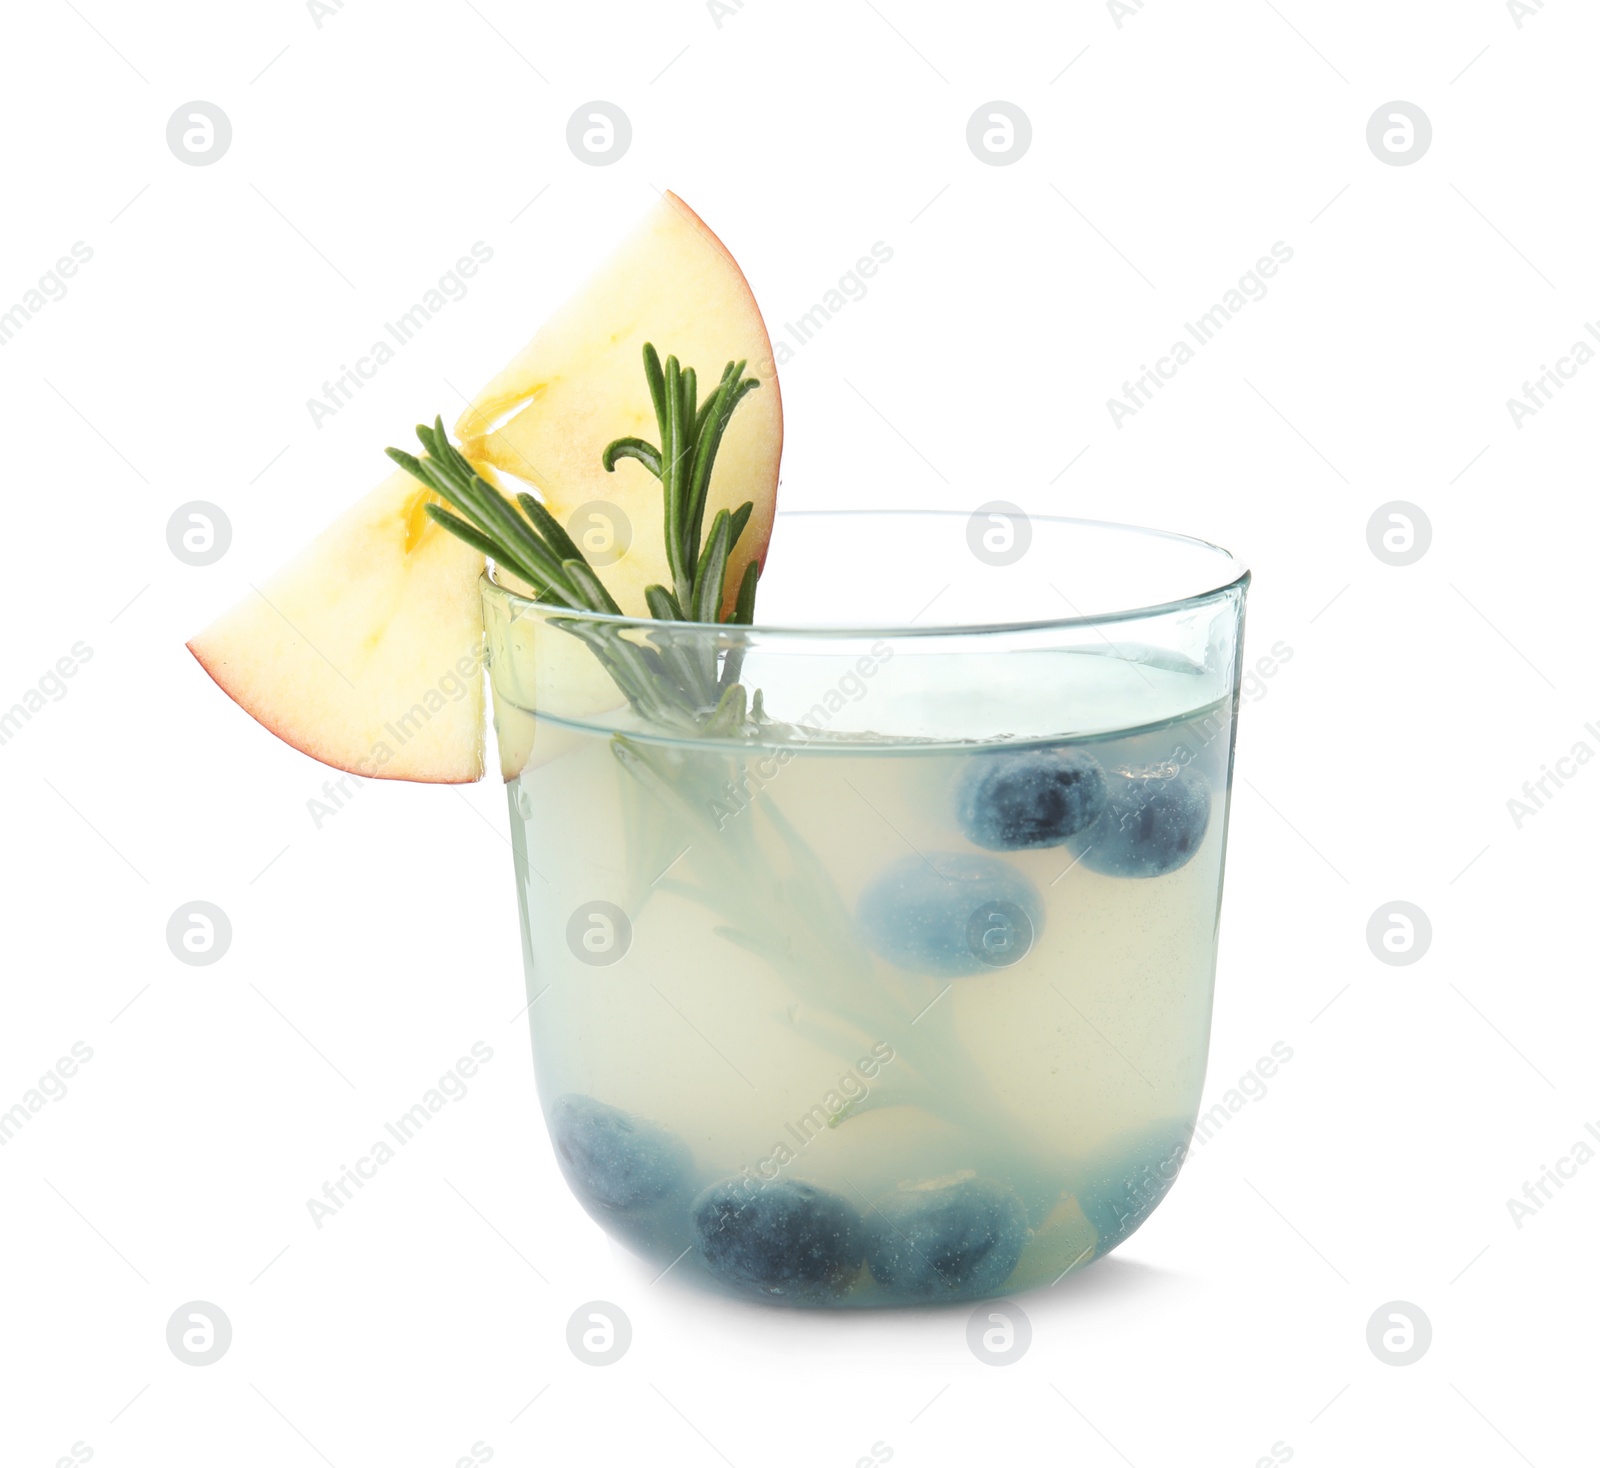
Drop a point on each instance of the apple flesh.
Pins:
(579, 384)
(366, 650)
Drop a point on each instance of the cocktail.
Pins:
(869, 941)
(900, 993)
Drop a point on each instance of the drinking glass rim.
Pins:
(974, 629)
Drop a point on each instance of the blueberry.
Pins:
(614, 1162)
(954, 1241)
(1152, 823)
(1121, 1189)
(784, 1238)
(1016, 801)
(950, 914)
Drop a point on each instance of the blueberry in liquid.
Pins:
(784, 1238)
(956, 1241)
(614, 1162)
(951, 913)
(1015, 801)
(1151, 824)
(1121, 1189)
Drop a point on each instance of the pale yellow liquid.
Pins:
(1047, 1075)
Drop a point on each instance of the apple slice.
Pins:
(548, 416)
(366, 650)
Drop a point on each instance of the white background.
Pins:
(1168, 154)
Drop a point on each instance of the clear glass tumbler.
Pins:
(900, 991)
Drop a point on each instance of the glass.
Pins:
(904, 998)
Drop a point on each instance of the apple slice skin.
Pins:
(579, 384)
(366, 650)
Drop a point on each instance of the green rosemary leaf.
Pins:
(637, 671)
(632, 448)
(550, 528)
(707, 438)
(744, 607)
(475, 484)
(453, 459)
(421, 470)
(457, 527)
(591, 587)
(742, 391)
(450, 462)
(429, 476)
(501, 534)
(564, 595)
(729, 715)
(689, 670)
(713, 571)
(672, 450)
(517, 537)
(741, 518)
(635, 674)
(687, 406)
(475, 496)
(658, 388)
(409, 462)
(663, 604)
(711, 402)
(742, 615)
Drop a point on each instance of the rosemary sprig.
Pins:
(669, 680)
(781, 903)
(691, 433)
